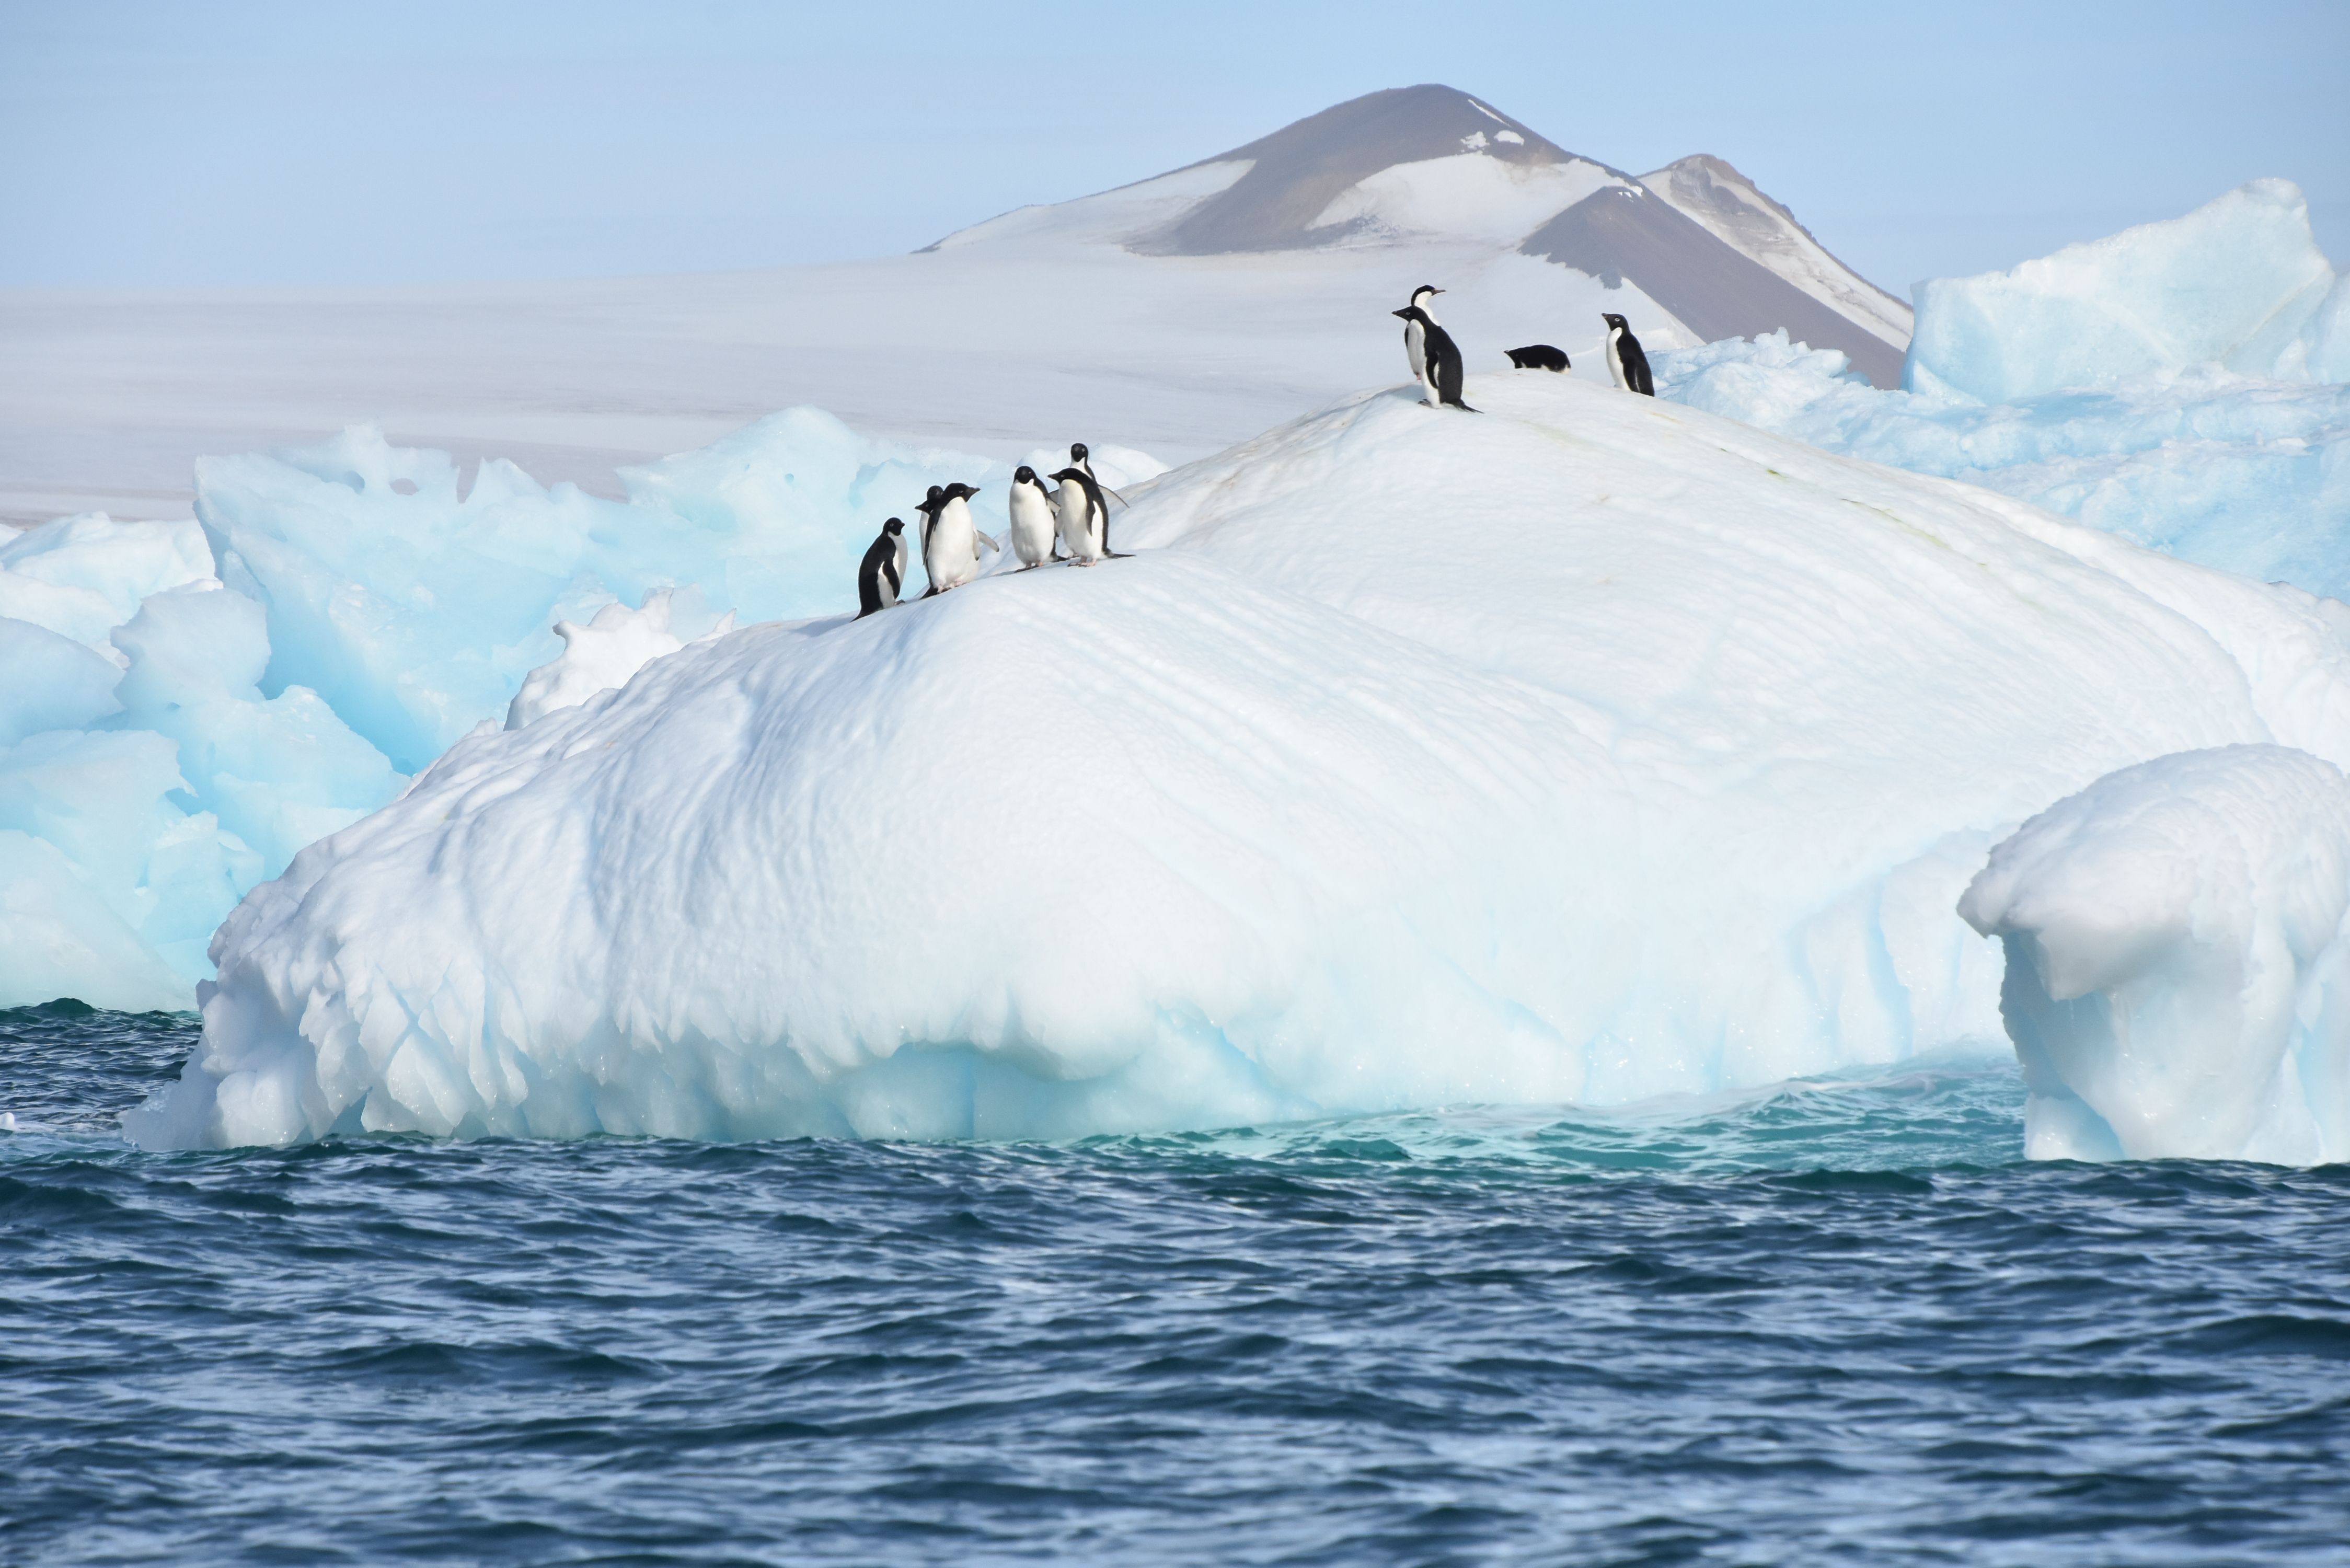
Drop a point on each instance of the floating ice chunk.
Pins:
(601, 656)
(2239, 281)
(1590, 750)
(83, 577)
(50, 682)
(279, 772)
(2177, 963)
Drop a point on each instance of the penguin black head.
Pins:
(1069, 475)
(1413, 313)
(1024, 474)
(1616, 321)
(958, 491)
(1077, 452)
(1425, 288)
(893, 527)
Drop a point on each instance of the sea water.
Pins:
(1837, 1321)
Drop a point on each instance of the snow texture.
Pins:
(602, 656)
(1588, 749)
(2179, 962)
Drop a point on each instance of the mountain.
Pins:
(1709, 254)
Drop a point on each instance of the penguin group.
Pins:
(1069, 524)
(1436, 365)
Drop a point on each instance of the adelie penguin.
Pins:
(1034, 521)
(1081, 458)
(1537, 357)
(882, 574)
(1084, 517)
(1439, 361)
(1625, 362)
(950, 540)
(1415, 331)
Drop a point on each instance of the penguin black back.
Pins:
(879, 576)
(1444, 369)
(1625, 357)
(1537, 357)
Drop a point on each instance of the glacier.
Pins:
(1592, 748)
(2178, 940)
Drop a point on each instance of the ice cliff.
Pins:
(2178, 961)
(1589, 748)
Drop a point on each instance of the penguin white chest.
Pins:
(951, 554)
(1615, 358)
(1081, 528)
(1032, 522)
(1415, 349)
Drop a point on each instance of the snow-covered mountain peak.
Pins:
(1291, 198)
(1692, 253)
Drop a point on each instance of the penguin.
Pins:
(1033, 523)
(1415, 334)
(1537, 357)
(1084, 519)
(1080, 458)
(951, 544)
(1439, 383)
(882, 573)
(1625, 360)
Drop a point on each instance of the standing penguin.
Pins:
(1625, 362)
(1032, 520)
(951, 542)
(882, 574)
(1440, 379)
(1079, 458)
(1415, 332)
(1085, 521)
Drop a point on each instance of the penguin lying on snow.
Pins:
(1440, 377)
(882, 574)
(1537, 357)
(1625, 362)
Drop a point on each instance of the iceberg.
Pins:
(1588, 749)
(2179, 384)
(146, 784)
(2178, 961)
(2239, 282)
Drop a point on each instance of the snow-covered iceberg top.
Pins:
(1589, 748)
(2178, 961)
(2239, 282)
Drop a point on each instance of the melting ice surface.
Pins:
(1590, 749)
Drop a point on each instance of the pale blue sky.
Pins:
(297, 143)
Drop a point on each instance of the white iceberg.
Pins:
(2178, 961)
(1586, 749)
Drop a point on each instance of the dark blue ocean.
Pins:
(1840, 1322)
